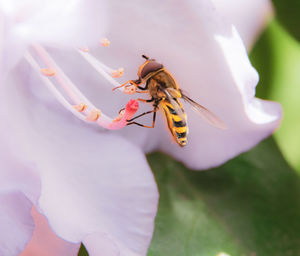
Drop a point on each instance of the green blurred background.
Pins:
(250, 206)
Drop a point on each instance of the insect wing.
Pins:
(174, 103)
(207, 115)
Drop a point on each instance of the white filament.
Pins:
(101, 68)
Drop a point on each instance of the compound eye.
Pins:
(151, 66)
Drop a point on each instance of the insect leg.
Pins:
(144, 88)
(145, 113)
(129, 81)
(146, 126)
(135, 83)
(143, 100)
(142, 91)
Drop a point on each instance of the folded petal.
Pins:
(109, 189)
(91, 181)
(209, 61)
(250, 16)
(45, 242)
(16, 223)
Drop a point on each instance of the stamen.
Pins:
(47, 72)
(117, 73)
(105, 42)
(52, 88)
(94, 115)
(61, 78)
(84, 49)
(100, 68)
(80, 107)
(83, 108)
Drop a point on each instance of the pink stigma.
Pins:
(131, 108)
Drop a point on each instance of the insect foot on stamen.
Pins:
(130, 89)
(120, 116)
(121, 120)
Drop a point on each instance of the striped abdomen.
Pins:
(177, 122)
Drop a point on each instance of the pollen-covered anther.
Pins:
(120, 116)
(48, 71)
(94, 115)
(80, 107)
(84, 49)
(117, 73)
(130, 89)
(105, 42)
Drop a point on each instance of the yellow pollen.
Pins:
(117, 73)
(80, 107)
(105, 42)
(94, 115)
(85, 49)
(48, 71)
(120, 116)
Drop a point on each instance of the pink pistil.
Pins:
(130, 109)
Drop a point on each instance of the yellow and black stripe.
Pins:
(177, 124)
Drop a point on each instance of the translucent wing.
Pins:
(175, 104)
(207, 115)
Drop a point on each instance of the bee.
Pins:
(165, 93)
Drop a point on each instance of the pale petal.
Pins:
(100, 244)
(249, 16)
(16, 223)
(16, 175)
(11, 49)
(91, 181)
(45, 242)
(57, 23)
(209, 61)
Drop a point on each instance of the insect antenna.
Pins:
(145, 57)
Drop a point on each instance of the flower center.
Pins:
(72, 98)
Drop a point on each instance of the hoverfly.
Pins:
(165, 94)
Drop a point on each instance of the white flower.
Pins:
(95, 186)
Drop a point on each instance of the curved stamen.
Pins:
(87, 113)
(72, 91)
(52, 88)
(101, 68)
